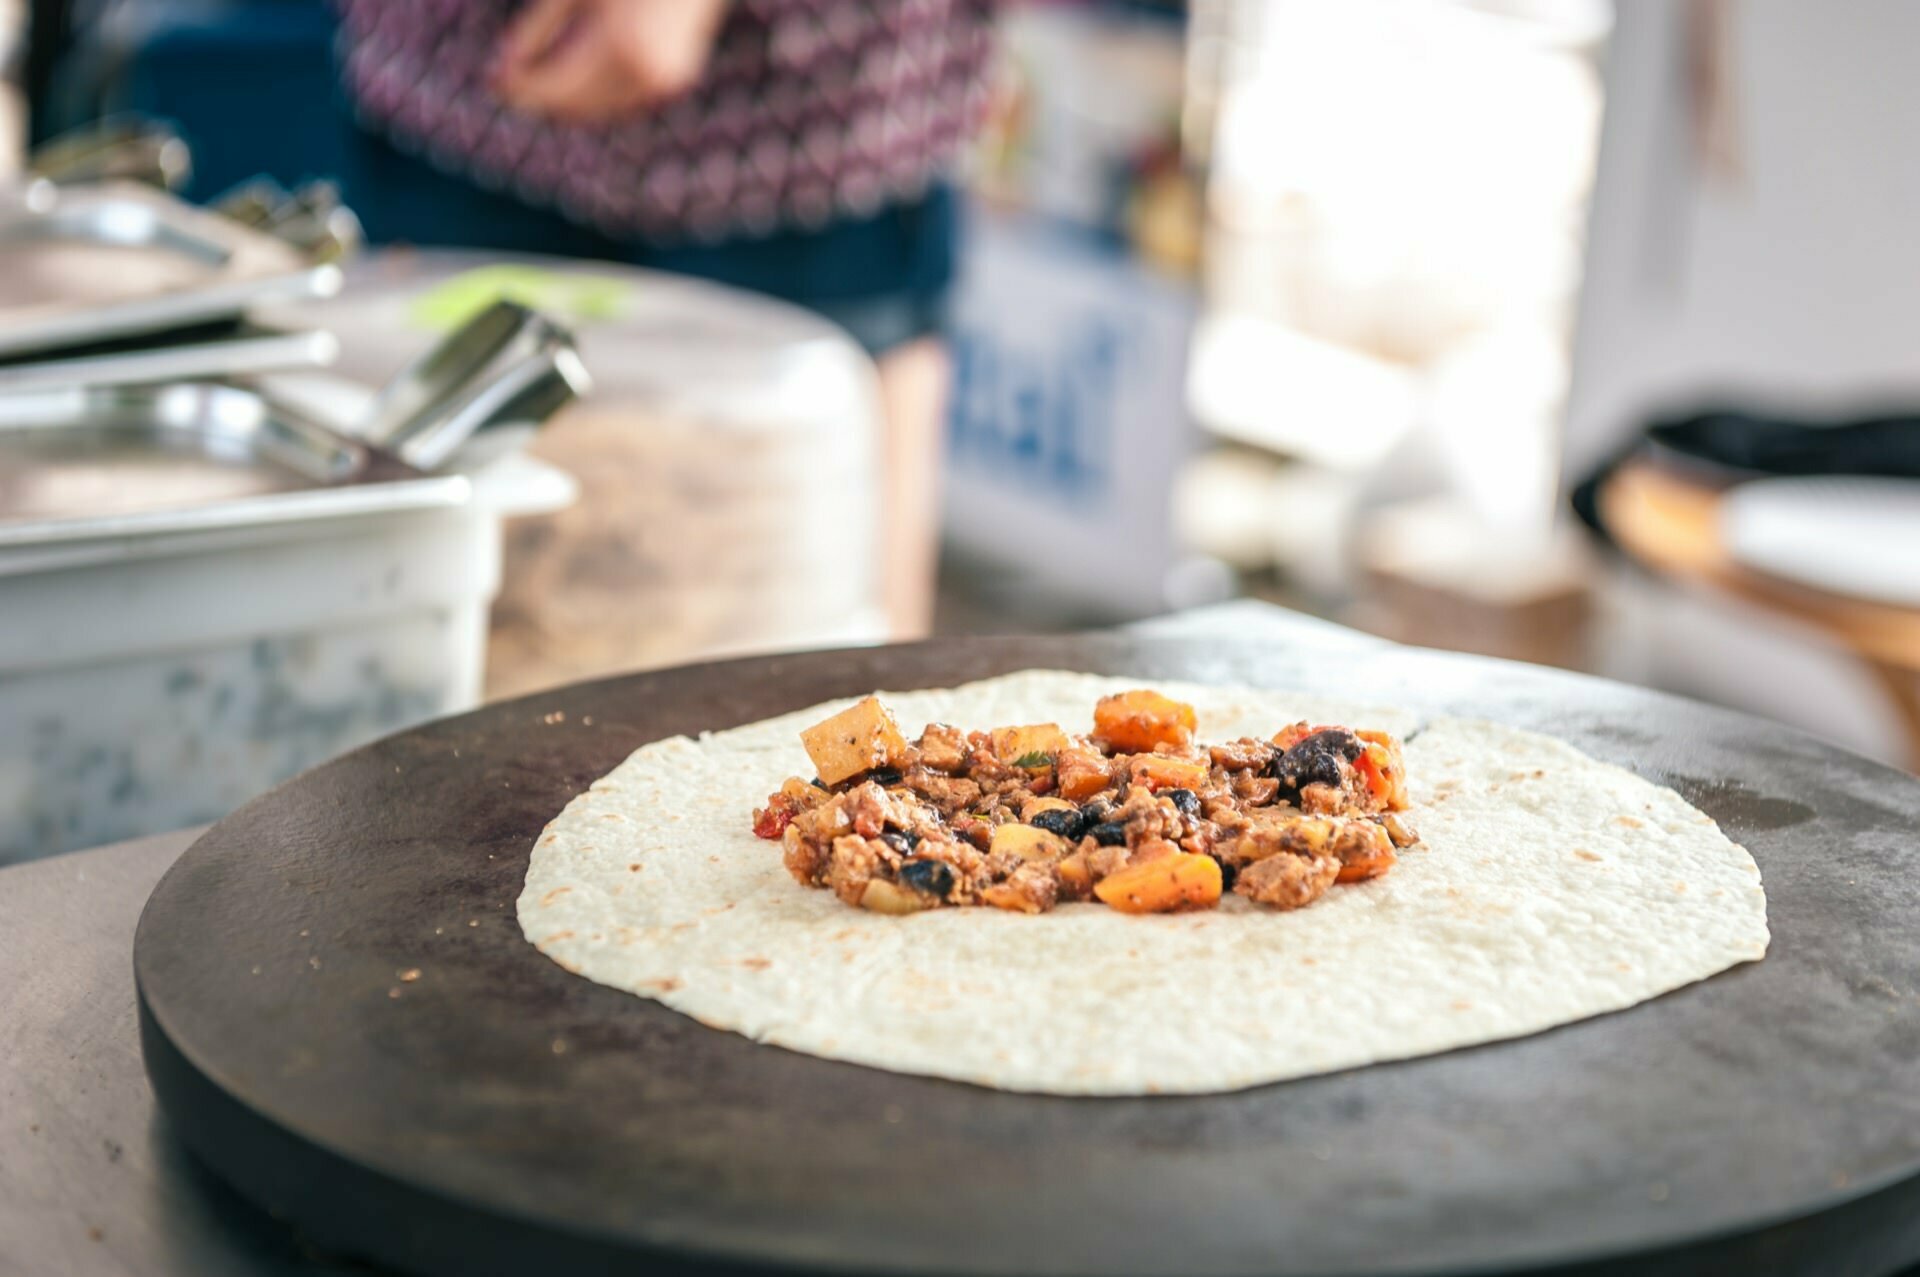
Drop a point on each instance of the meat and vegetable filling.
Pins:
(1136, 815)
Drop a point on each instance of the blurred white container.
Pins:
(728, 461)
(149, 683)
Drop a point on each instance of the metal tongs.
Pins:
(120, 148)
(310, 217)
(508, 365)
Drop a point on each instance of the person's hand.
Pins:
(587, 61)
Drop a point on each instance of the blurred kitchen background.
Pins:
(1561, 330)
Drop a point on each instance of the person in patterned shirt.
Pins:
(800, 148)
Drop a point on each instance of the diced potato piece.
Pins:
(1027, 842)
(1030, 747)
(1004, 895)
(1284, 832)
(1080, 773)
(856, 739)
(1134, 722)
(1075, 875)
(1034, 806)
(1156, 771)
(1183, 881)
(1365, 851)
(882, 896)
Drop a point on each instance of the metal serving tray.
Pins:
(130, 460)
(84, 265)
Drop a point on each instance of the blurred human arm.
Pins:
(588, 61)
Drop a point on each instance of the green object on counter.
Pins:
(564, 294)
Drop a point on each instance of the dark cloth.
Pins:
(1727, 445)
(884, 278)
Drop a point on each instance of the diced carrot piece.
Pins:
(1157, 771)
(1182, 881)
(1080, 773)
(1137, 721)
(1362, 868)
(1385, 772)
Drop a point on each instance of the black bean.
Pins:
(935, 877)
(884, 776)
(1185, 799)
(1315, 760)
(1096, 812)
(1112, 833)
(1064, 821)
(902, 843)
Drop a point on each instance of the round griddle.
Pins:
(495, 1114)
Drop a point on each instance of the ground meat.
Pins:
(943, 748)
(1281, 823)
(872, 810)
(949, 793)
(1102, 861)
(1147, 817)
(1287, 881)
(855, 861)
(1254, 790)
(805, 858)
(1323, 800)
(1029, 889)
(1242, 755)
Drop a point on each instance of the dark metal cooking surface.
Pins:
(496, 1113)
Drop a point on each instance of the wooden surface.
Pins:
(1759, 1121)
(1671, 526)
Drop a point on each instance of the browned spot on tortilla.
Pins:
(1133, 953)
(550, 838)
(1628, 821)
(846, 934)
(558, 935)
(667, 985)
(846, 955)
(718, 908)
(714, 859)
(553, 895)
(1463, 1005)
(1623, 966)
(1584, 854)
(756, 964)
(633, 868)
(1310, 962)
(612, 815)
(1538, 772)
(1680, 888)
(1519, 775)
(568, 967)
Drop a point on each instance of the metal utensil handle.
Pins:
(462, 385)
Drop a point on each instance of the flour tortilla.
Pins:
(1548, 887)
